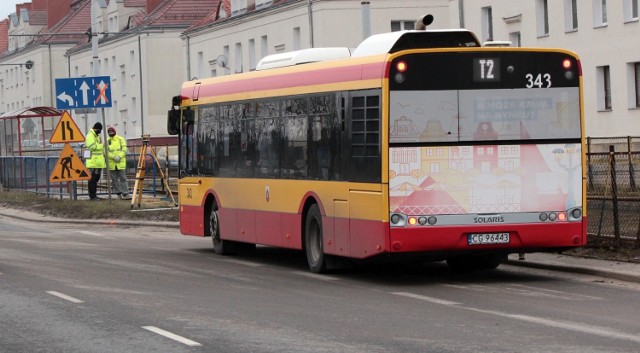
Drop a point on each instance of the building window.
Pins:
(262, 4)
(487, 24)
(402, 26)
(296, 38)
(238, 57)
(634, 81)
(630, 10)
(123, 80)
(571, 15)
(603, 79)
(252, 54)
(238, 7)
(542, 18)
(599, 13)
(200, 64)
(515, 39)
(264, 47)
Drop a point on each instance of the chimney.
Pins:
(38, 5)
(4, 35)
(56, 10)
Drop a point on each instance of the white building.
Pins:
(239, 33)
(149, 47)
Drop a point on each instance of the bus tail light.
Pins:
(401, 68)
(570, 215)
(566, 64)
(401, 220)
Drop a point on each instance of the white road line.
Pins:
(316, 276)
(65, 297)
(85, 232)
(172, 336)
(425, 298)
(560, 292)
(567, 325)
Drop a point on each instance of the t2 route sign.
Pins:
(83, 92)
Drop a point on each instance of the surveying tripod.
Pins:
(142, 170)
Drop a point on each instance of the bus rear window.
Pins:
(484, 96)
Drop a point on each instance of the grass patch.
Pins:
(85, 209)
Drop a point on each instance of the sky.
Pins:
(9, 6)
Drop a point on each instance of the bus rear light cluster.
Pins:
(400, 220)
(571, 215)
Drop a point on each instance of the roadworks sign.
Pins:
(66, 131)
(69, 167)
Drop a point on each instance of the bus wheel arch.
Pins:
(212, 228)
(312, 237)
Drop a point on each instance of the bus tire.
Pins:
(220, 246)
(313, 242)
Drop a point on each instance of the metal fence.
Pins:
(32, 174)
(613, 184)
(613, 191)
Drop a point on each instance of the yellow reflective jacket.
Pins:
(117, 147)
(93, 143)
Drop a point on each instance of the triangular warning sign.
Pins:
(66, 131)
(69, 167)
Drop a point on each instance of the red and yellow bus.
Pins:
(417, 142)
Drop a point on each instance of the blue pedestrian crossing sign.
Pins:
(83, 92)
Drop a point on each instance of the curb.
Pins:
(97, 221)
(627, 277)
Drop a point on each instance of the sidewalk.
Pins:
(36, 217)
(623, 271)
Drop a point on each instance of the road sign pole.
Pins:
(106, 155)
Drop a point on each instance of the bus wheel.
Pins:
(313, 240)
(221, 247)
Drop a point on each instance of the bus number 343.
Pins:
(539, 80)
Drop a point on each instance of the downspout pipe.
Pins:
(310, 14)
(141, 83)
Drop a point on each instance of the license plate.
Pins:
(488, 238)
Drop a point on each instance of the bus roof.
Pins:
(401, 40)
(375, 45)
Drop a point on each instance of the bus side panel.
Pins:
(192, 220)
(368, 236)
(269, 228)
(228, 224)
(246, 226)
(523, 236)
(291, 228)
(337, 242)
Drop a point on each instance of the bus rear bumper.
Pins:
(522, 238)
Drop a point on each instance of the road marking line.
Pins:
(85, 232)
(557, 291)
(316, 276)
(65, 297)
(425, 298)
(567, 325)
(172, 336)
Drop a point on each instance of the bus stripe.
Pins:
(316, 77)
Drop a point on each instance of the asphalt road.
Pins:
(68, 288)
